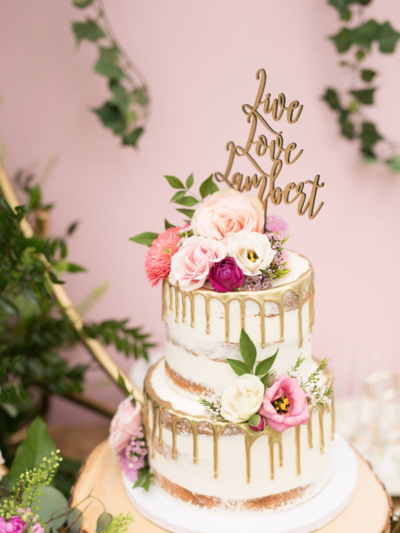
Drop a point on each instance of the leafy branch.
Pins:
(184, 197)
(350, 106)
(126, 112)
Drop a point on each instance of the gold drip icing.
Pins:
(274, 295)
(159, 407)
(298, 466)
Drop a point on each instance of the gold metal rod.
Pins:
(94, 346)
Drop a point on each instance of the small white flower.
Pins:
(241, 400)
(251, 251)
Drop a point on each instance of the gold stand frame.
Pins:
(95, 348)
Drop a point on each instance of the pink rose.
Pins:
(228, 211)
(285, 404)
(125, 423)
(191, 264)
(37, 528)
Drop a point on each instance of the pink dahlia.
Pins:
(158, 259)
(276, 223)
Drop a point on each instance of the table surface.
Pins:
(369, 510)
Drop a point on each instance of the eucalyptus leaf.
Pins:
(247, 349)
(74, 517)
(103, 522)
(174, 182)
(239, 367)
(37, 444)
(145, 238)
(52, 505)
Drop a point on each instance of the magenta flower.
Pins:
(276, 223)
(132, 458)
(37, 528)
(14, 525)
(285, 404)
(226, 275)
(158, 259)
(257, 422)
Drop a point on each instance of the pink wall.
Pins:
(200, 60)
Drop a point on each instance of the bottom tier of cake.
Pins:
(225, 467)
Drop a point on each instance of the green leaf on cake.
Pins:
(247, 349)
(189, 181)
(265, 366)
(368, 75)
(208, 187)
(145, 238)
(174, 182)
(365, 96)
(168, 224)
(74, 520)
(188, 201)
(239, 367)
(268, 379)
(187, 212)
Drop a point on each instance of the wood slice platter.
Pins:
(369, 511)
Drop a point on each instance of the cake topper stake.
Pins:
(264, 180)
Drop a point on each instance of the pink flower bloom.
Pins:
(132, 458)
(285, 404)
(226, 275)
(276, 223)
(191, 264)
(287, 260)
(14, 525)
(158, 259)
(125, 423)
(226, 212)
(37, 528)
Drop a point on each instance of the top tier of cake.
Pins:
(203, 329)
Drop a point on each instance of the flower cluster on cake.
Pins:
(227, 244)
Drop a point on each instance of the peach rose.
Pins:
(125, 423)
(191, 264)
(228, 211)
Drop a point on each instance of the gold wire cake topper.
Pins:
(277, 152)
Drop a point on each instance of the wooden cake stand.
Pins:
(369, 511)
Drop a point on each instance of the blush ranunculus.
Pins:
(125, 423)
(228, 211)
(226, 275)
(158, 259)
(191, 264)
(285, 404)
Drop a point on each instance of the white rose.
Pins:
(241, 400)
(251, 251)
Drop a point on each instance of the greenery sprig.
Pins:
(350, 106)
(144, 478)
(249, 354)
(184, 197)
(126, 112)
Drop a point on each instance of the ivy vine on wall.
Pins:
(126, 112)
(350, 106)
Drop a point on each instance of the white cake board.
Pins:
(307, 517)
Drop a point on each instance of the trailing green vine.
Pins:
(127, 110)
(350, 106)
